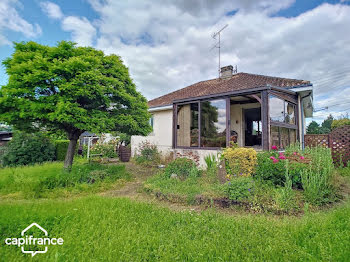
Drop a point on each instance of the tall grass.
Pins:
(317, 178)
(107, 229)
(41, 180)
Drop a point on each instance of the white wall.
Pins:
(161, 135)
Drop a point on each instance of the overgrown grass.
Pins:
(50, 180)
(106, 229)
(187, 189)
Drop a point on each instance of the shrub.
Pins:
(239, 189)
(182, 167)
(240, 161)
(340, 122)
(103, 148)
(147, 153)
(25, 149)
(272, 166)
(61, 147)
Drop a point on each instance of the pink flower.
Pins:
(302, 157)
(282, 156)
(272, 158)
(275, 161)
(295, 153)
(274, 147)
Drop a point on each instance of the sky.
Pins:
(166, 44)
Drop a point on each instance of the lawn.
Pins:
(100, 228)
(118, 229)
(50, 180)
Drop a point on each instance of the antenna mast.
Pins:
(217, 45)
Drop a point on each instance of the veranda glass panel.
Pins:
(276, 107)
(187, 125)
(213, 123)
(289, 113)
(284, 137)
(274, 136)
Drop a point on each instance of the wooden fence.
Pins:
(338, 140)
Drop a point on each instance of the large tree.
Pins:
(73, 89)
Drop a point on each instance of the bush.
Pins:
(271, 167)
(340, 122)
(147, 153)
(104, 148)
(61, 147)
(239, 189)
(25, 149)
(240, 161)
(182, 167)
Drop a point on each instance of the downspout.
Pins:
(302, 121)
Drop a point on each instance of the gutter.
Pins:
(160, 108)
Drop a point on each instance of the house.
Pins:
(252, 110)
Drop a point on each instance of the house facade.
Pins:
(252, 110)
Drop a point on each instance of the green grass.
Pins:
(107, 229)
(50, 180)
(188, 188)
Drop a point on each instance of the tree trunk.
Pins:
(68, 162)
(73, 139)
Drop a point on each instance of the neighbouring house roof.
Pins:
(239, 81)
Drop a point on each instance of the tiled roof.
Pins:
(239, 81)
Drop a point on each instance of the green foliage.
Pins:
(340, 123)
(240, 188)
(317, 178)
(70, 88)
(274, 171)
(269, 171)
(325, 128)
(182, 167)
(239, 161)
(285, 196)
(88, 173)
(211, 161)
(26, 149)
(148, 154)
(61, 147)
(50, 180)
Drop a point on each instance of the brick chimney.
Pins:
(226, 71)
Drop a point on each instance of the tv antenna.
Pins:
(217, 45)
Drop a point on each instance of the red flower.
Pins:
(274, 148)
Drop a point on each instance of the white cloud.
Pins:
(166, 43)
(82, 30)
(52, 10)
(11, 20)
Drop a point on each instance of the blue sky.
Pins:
(166, 44)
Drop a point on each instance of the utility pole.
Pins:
(218, 44)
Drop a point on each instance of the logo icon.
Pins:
(30, 240)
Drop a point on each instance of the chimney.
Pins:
(227, 71)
